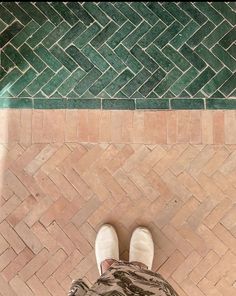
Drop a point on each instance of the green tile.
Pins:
(133, 38)
(87, 35)
(2, 73)
(119, 82)
(184, 35)
(152, 34)
(40, 34)
(49, 103)
(5, 15)
(229, 85)
(176, 58)
(103, 81)
(65, 12)
(56, 34)
(51, 14)
(24, 34)
(177, 12)
(80, 12)
(200, 81)
(193, 12)
(6, 63)
(16, 57)
(96, 13)
(95, 57)
(2, 26)
(131, 87)
(32, 58)
(168, 34)
(8, 80)
(224, 57)
(217, 81)
(220, 104)
(68, 85)
(22, 82)
(149, 85)
(145, 12)
(9, 33)
(143, 58)
(226, 11)
(84, 103)
(16, 103)
(101, 37)
(232, 50)
(166, 83)
(128, 59)
(127, 11)
(209, 58)
(65, 59)
(34, 12)
(112, 12)
(159, 58)
(79, 58)
(48, 58)
(192, 57)
(111, 58)
(216, 34)
(87, 81)
(39, 81)
(120, 104)
(186, 104)
(72, 34)
(17, 12)
(120, 34)
(229, 38)
(198, 36)
(152, 104)
(161, 13)
(55, 82)
(210, 12)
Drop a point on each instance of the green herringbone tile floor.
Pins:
(117, 50)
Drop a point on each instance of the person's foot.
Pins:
(106, 245)
(142, 247)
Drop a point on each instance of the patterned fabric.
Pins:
(124, 279)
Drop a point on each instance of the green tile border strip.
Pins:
(119, 104)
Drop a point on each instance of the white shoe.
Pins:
(106, 245)
(142, 247)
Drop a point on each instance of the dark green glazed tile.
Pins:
(113, 12)
(40, 34)
(39, 81)
(209, 11)
(6, 63)
(177, 12)
(103, 81)
(96, 13)
(16, 103)
(193, 12)
(176, 58)
(137, 33)
(187, 104)
(24, 34)
(72, 34)
(32, 58)
(152, 104)
(48, 58)
(224, 57)
(16, 57)
(229, 85)
(159, 58)
(2, 73)
(96, 57)
(49, 103)
(80, 12)
(148, 86)
(9, 33)
(55, 82)
(5, 15)
(168, 34)
(84, 103)
(9, 79)
(127, 11)
(17, 12)
(87, 35)
(56, 34)
(119, 104)
(145, 12)
(227, 12)
(221, 104)
(163, 14)
(200, 34)
(79, 58)
(65, 59)
(152, 34)
(34, 12)
(65, 12)
(166, 83)
(51, 14)
(87, 81)
(209, 58)
(120, 34)
(228, 39)
(232, 50)
(22, 82)
(192, 57)
(143, 58)
(99, 39)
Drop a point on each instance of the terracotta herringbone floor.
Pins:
(56, 192)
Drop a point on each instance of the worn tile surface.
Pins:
(59, 185)
(119, 50)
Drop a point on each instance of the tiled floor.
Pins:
(64, 173)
